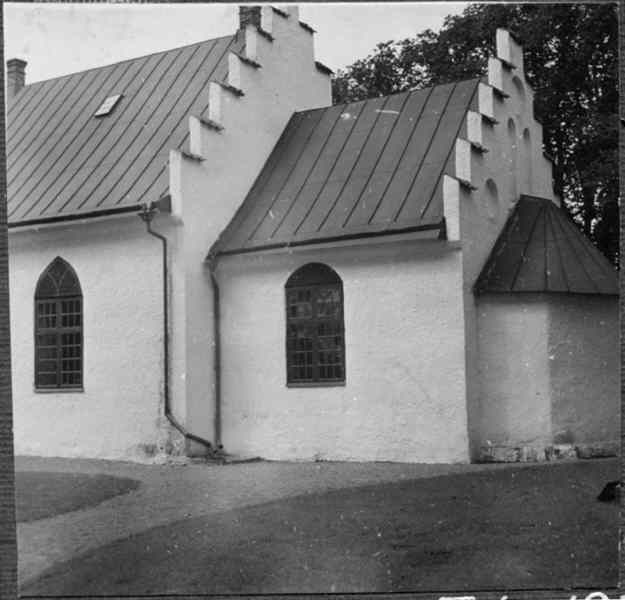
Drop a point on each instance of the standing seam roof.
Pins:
(362, 168)
(63, 161)
(541, 250)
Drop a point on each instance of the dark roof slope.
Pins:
(541, 250)
(63, 161)
(357, 169)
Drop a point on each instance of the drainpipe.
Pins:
(147, 215)
(212, 265)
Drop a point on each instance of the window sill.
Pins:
(316, 384)
(74, 390)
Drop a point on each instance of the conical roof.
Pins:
(541, 250)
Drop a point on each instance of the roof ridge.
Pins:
(409, 91)
(119, 62)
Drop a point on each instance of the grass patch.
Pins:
(39, 494)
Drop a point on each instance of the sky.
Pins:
(56, 39)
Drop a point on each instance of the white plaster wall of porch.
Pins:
(404, 395)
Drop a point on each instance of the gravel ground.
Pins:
(172, 495)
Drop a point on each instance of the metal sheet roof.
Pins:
(63, 161)
(541, 250)
(357, 169)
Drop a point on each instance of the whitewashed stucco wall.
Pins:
(548, 370)
(513, 371)
(584, 368)
(404, 397)
(117, 414)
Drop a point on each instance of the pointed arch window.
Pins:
(315, 339)
(58, 328)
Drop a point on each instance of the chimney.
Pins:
(16, 76)
(249, 15)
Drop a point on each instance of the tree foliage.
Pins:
(571, 62)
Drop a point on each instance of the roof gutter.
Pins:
(134, 208)
(147, 214)
(440, 227)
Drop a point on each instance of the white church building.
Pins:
(207, 256)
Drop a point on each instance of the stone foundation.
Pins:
(554, 452)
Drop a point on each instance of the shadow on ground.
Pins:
(529, 527)
(39, 495)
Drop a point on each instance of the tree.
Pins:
(571, 62)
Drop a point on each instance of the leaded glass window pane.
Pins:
(58, 328)
(315, 344)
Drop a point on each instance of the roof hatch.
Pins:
(107, 106)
